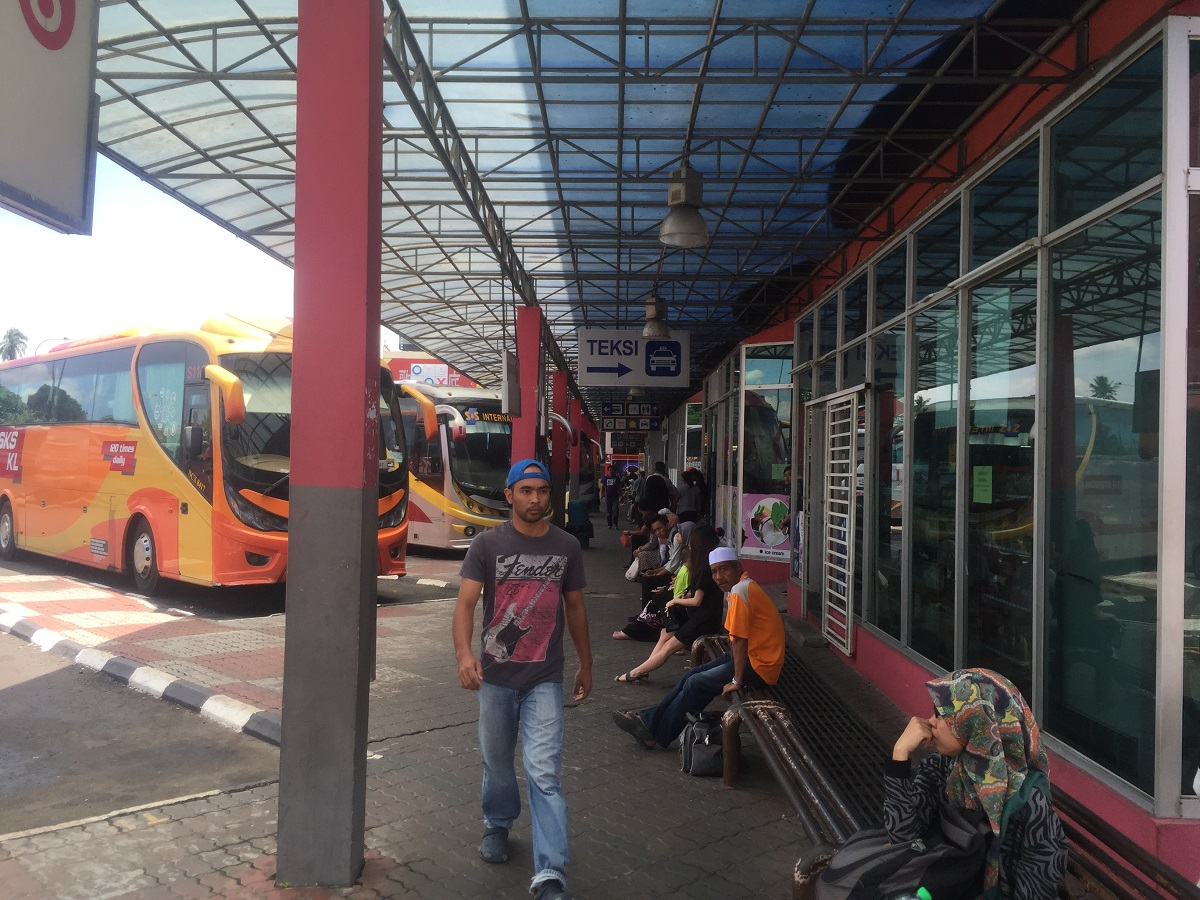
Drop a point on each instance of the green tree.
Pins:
(13, 344)
(12, 409)
(1103, 388)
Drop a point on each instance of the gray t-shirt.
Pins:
(524, 579)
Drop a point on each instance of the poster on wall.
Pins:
(766, 526)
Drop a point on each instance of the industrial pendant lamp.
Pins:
(656, 326)
(684, 227)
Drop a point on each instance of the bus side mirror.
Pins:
(193, 440)
(230, 387)
(428, 415)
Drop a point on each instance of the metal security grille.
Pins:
(840, 465)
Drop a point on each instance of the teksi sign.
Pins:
(625, 358)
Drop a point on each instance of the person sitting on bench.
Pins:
(755, 657)
(989, 758)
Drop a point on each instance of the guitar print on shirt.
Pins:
(525, 612)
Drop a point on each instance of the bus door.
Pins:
(195, 519)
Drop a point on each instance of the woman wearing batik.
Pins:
(990, 759)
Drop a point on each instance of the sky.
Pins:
(150, 261)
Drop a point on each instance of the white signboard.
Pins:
(625, 358)
(47, 61)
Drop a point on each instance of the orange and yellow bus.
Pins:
(166, 453)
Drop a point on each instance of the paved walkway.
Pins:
(639, 827)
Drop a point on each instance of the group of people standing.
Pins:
(530, 576)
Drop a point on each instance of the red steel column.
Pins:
(529, 358)
(560, 446)
(331, 589)
(575, 414)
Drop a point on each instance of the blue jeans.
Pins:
(539, 713)
(698, 688)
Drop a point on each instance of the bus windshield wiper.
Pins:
(282, 478)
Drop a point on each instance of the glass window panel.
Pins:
(828, 316)
(1004, 207)
(854, 365)
(826, 378)
(805, 340)
(769, 364)
(1110, 143)
(934, 417)
(888, 387)
(854, 314)
(162, 371)
(767, 440)
(891, 285)
(1194, 101)
(999, 611)
(30, 387)
(1102, 492)
(1191, 596)
(937, 254)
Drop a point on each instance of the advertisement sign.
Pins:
(766, 527)
(121, 456)
(426, 369)
(10, 453)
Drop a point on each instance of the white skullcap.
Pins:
(665, 511)
(722, 554)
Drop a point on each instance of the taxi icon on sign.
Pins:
(662, 358)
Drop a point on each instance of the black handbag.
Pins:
(948, 861)
(700, 745)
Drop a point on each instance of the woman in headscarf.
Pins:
(990, 759)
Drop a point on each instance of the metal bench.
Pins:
(1103, 864)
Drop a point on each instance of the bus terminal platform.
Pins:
(638, 826)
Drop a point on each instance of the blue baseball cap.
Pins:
(521, 470)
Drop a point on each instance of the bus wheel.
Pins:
(8, 532)
(143, 560)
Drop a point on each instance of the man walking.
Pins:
(755, 657)
(530, 574)
(611, 491)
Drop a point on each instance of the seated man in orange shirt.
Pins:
(755, 657)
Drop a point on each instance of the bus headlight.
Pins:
(469, 531)
(394, 516)
(254, 516)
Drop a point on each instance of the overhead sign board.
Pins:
(631, 408)
(630, 423)
(47, 114)
(625, 358)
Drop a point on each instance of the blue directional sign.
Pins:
(625, 358)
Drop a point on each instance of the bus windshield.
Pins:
(479, 460)
(257, 451)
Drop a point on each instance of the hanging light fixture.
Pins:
(656, 326)
(684, 226)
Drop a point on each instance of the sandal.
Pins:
(630, 678)
(631, 723)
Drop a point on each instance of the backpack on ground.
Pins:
(948, 861)
(700, 745)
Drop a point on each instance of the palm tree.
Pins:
(1103, 388)
(13, 344)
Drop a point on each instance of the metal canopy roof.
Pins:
(527, 151)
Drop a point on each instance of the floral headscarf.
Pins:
(1001, 740)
